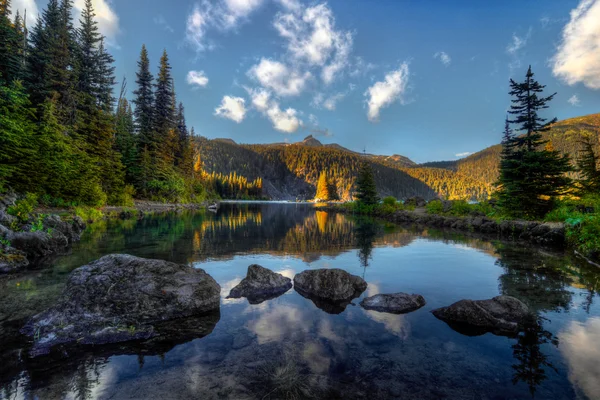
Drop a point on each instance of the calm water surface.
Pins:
(290, 348)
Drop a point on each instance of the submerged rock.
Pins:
(396, 303)
(330, 289)
(261, 284)
(12, 260)
(119, 298)
(502, 315)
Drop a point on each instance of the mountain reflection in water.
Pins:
(288, 347)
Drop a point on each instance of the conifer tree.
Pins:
(10, 44)
(144, 100)
(185, 153)
(322, 190)
(587, 166)
(332, 190)
(530, 176)
(366, 191)
(126, 141)
(164, 117)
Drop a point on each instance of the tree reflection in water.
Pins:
(528, 352)
(366, 230)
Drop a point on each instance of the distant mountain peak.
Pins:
(311, 141)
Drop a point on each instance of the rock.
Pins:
(119, 298)
(12, 260)
(415, 201)
(548, 234)
(72, 231)
(6, 219)
(330, 284)
(38, 244)
(502, 315)
(260, 284)
(397, 303)
(330, 289)
(7, 200)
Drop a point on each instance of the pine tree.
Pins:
(530, 176)
(10, 45)
(587, 166)
(322, 192)
(126, 142)
(164, 117)
(144, 100)
(185, 152)
(332, 190)
(366, 191)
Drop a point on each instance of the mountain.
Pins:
(565, 136)
(290, 171)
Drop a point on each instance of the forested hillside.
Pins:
(292, 171)
(481, 169)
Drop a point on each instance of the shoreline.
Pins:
(546, 234)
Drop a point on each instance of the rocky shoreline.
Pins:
(547, 234)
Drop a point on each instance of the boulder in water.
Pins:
(330, 289)
(261, 284)
(502, 315)
(119, 298)
(396, 303)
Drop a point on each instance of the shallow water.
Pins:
(288, 347)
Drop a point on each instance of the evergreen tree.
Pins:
(164, 113)
(322, 192)
(530, 176)
(185, 152)
(144, 100)
(332, 190)
(126, 142)
(366, 191)
(16, 131)
(10, 43)
(587, 166)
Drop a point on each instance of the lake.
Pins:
(288, 347)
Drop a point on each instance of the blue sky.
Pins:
(425, 79)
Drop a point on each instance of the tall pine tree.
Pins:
(587, 166)
(366, 191)
(164, 114)
(531, 176)
(144, 100)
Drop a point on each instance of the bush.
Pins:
(583, 233)
(24, 207)
(123, 198)
(390, 201)
(88, 214)
(435, 207)
(460, 208)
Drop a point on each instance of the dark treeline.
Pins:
(65, 137)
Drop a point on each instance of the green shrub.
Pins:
(435, 207)
(123, 198)
(390, 201)
(583, 233)
(88, 214)
(460, 208)
(24, 207)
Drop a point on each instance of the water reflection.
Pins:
(288, 347)
(580, 344)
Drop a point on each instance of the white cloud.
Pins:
(222, 15)
(233, 108)
(286, 121)
(574, 100)
(385, 92)
(331, 102)
(162, 22)
(518, 42)
(515, 50)
(466, 153)
(278, 77)
(313, 39)
(197, 78)
(26, 6)
(260, 99)
(443, 57)
(108, 20)
(577, 58)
